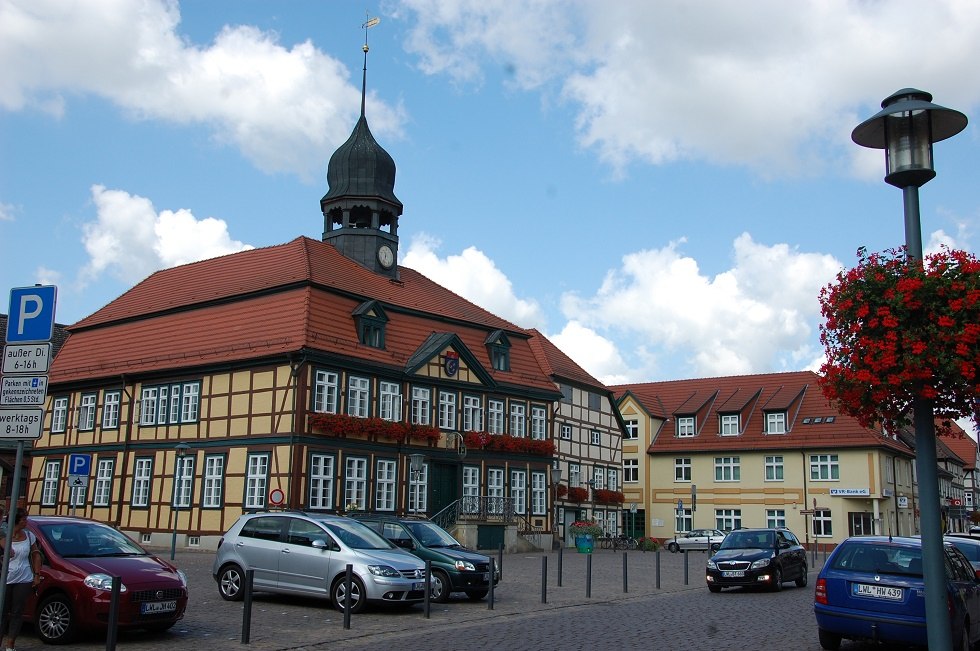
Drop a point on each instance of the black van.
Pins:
(454, 567)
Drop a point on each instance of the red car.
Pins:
(80, 558)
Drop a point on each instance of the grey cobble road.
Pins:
(675, 616)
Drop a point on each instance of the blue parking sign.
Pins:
(31, 314)
(80, 464)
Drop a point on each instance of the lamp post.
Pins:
(180, 449)
(415, 464)
(556, 481)
(905, 128)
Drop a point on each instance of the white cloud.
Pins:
(282, 107)
(130, 240)
(6, 212)
(474, 276)
(758, 316)
(593, 352)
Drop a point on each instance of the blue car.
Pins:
(871, 588)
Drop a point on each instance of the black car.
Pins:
(757, 557)
(454, 567)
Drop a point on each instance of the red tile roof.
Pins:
(797, 393)
(558, 364)
(962, 445)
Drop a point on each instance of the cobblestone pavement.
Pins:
(569, 619)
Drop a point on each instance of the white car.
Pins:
(696, 539)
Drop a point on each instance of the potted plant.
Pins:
(647, 544)
(585, 532)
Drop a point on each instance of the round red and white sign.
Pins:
(277, 497)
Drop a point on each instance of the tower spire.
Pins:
(368, 24)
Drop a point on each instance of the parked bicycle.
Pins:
(616, 543)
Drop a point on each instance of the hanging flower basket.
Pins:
(578, 494)
(605, 496)
(342, 425)
(508, 443)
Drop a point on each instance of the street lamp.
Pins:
(905, 128)
(415, 464)
(556, 481)
(181, 449)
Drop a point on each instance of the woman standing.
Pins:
(22, 576)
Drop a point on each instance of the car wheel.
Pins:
(476, 595)
(964, 644)
(803, 578)
(440, 587)
(231, 583)
(777, 580)
(673, 547)
(714, 588)
(339, 594)
(55, 621)
(828, 640)
(715, 547)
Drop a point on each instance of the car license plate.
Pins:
(418, 585)
(156, 607)
(733, 574)
(875, 591)
(486, 576)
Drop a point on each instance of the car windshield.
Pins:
(88, 540)
(432, 535)
(356, 536)
(748, 540)
(879, 558)
(969, 548)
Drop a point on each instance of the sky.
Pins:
(662, 188)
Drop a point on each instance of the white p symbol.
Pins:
(25, 314)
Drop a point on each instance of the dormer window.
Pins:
(729, 425)
(776, 422)
(498, 348)
(685, 426)
(371, 321)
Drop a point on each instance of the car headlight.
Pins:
(465, 565)
(102, 582)
(762, 562)
(383, 570)
(711, 565)
(183, 577)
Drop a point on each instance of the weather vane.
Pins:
(368, 24)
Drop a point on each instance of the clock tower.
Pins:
(360, 209)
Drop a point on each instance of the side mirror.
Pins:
(404, 543)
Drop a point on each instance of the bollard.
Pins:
(588, 577)
(559, 563)
(658, 568)
(492, 572)
(113, 632)
(500, 561)
(685, 567)
(247, 609)
(544, 579)
(428, 588)
(348, 585)
(625, 573)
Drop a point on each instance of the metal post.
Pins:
(588, 577)
(658, 567)
(544, 579)
(173, 539)
(247, 609)
(428, 587)
(625, 573)
(500, 561)
(490, 597)
(348, 584)
(112, 632)
(559, 565)
(11, 517)
(685, 567)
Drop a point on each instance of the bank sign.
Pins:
(850, 492)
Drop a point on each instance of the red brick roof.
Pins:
(558, 364)
(750, 396)
(274, 301)
(963, 446)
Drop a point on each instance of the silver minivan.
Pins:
(307, 554)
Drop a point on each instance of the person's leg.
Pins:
(5, 619)
(19, 594)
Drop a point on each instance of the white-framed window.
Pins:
(775, 518)
(612, 523)
(728, 469)
(148, 405)
(170, 404)
(421, 405)
(631, 470)
(49, 489)
(184, 475)
(256, 480)
(776, 422)
(495, 489)
(729, 424)
(728, 519)
(682, 469)
(390, 394)
(447, 410)
(824, 467)
(598, 478)
(685, 426)
(889, 473)
(595, 437)
(142, 473)
(110, 409)
(518, 491)
(632, 430)
(103, 482)
(683, 520)
(471, 489)
(190, 401)
(325, 392)
(59, 414)
(612, 479)
(823, 525)
(566, 431)
(495, 416)
(78, 494)
(321, 478)
(214, 481)
(384, 485)
(539, 494)
(539, 426)
(358, 396)
(86, 412)
(574, 475)
(472, 414)
(774, 467)
(355, 483)
(518, 420)
(418, 490)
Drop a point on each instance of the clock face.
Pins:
(386, 256)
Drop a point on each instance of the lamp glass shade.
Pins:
(556, 475)
(908, 140)
(415, 462)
